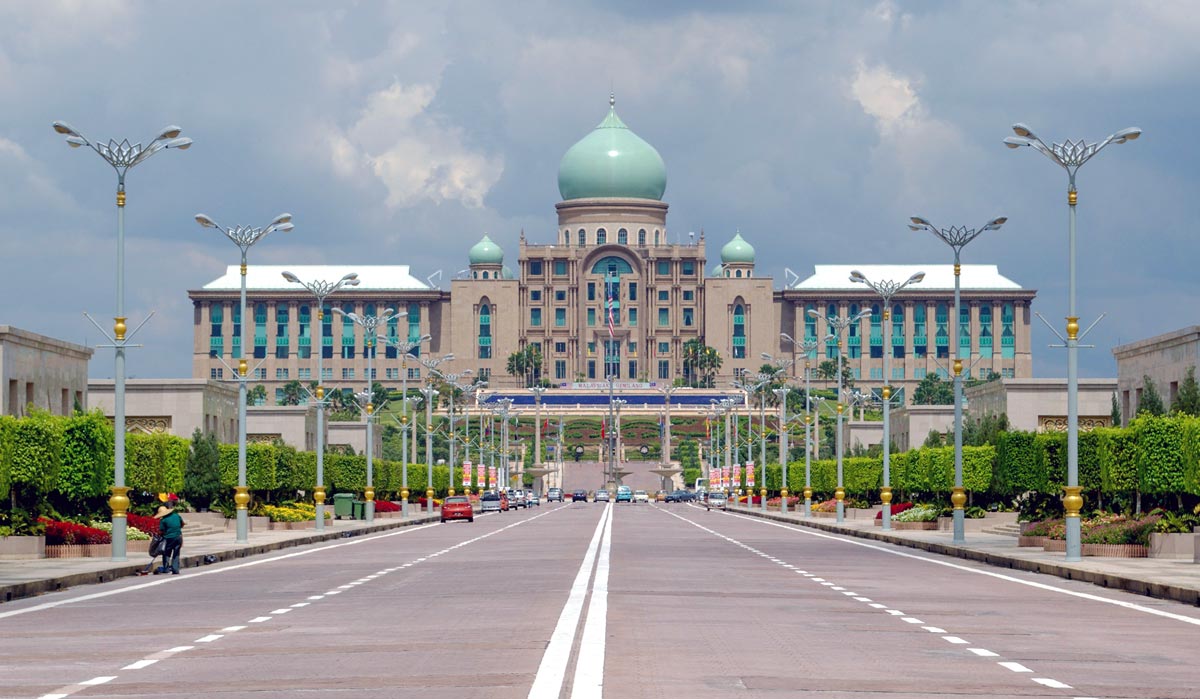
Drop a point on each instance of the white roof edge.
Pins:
(270, 277)
(938, 277)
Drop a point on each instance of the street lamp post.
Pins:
(957, 238)
(665, 447)
(805, 347)
(405, 348)
(430, 394)
(370, 326)
(452, 381)
(122, 157)
(504, 404)
(730, 443)
(321, 290)
(538, 392)
(750, 388)
(244, 237)
(840, 324)
(618, 403)
(886, 289)
(1070, 156)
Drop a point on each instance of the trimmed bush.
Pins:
(87, 457)
(1159, 454)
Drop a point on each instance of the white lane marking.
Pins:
(98, 680)
(54, 696)
(178, 649)
(850, 594)
(934, 629)
(356, 541)
(827, 584)
(147, 662)
(259, 619)
(911, 620)
(984, 653)
(878, 605)
(547, 684)
(955, 640)
(818, 579)
(1015, 667)
(1053, 684)
(589, 667)
(301, 604)
(862, 599)
(894, 612)
(839, 589)
(334, 592)
(977, 571)
(209, 638)
(284, 610)
(231, 629)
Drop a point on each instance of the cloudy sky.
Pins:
(401, 132)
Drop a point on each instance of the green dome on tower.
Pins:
(612, 161)
(737, 251)
(485, 252)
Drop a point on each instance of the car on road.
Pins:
(603, 495)
(624, 494)
(457, 507)
(490, 502)
(516, 499)
(532, 500)
(579, 496)
(640, 496)
(679, 496)
(554, 495)
(660, 496)
(716, 501)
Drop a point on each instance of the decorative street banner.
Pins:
(737, 476)
(491, 476)
(466, 471)
(479, 476)
(724, 477)
(749, 474)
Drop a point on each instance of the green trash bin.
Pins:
(360, 509)
(343, 505)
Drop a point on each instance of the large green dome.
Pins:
(485, 252)
(612, 161)
(737, 251)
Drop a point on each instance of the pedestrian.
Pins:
(171, 529)
(156, 542)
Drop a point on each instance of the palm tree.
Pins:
(709, 364)
(693, 351)
(293, 393)
(517, 363)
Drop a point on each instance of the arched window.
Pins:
(601, 236)
(942, 319)
(739, 332)
(566, 237)
(876, 332)
(260, 330)
(623, 237)
(485, 331)
(985, 330)
(656, 239)
(738, 274)
(642, 237)
(897, 348)
(1007, 337)
(582, 237)
(347, 331)
(611, 265)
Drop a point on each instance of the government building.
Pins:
(609, 294)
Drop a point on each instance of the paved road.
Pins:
(585, 600)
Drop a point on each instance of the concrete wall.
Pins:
(174, 406)
(1041, 404)
(354, 434)
(864, 433)
(41, 371)
(1164, 358)
(911, 425)
(296, 425)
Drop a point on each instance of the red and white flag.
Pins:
(611, 324)
(749, 474)
(466, 474)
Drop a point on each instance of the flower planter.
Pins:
(1181, 546)
(15, 548)
(946, 524)
(287, 526)
(824, 515)
(1116, 550)
(94, 550)
(924, 526)
(1034, 541)
(1055, 545)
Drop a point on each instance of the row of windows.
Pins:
(283, 339)
(662, 268)
(623, 237)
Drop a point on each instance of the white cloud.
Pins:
(412, 152)
(883, 95)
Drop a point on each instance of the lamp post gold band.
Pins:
(839, 494)
(887, 314)
(807, 493)
(1072, 198)
(957, 269)
(885, 495)
(243, 269)
(242, 367)
(783, 493)
(369, 494)
(958, 497)
(319, 495)
(1072, 327)
(404, 494)
(119, 500)
(450, 492)
(121, 198)
(1073, 500)
(119, 328)
(762, 493)
(241, 496)
(958, 367)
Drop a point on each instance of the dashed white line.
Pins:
(259, 619)
(231, 629)
(862, 599)
(878, 605)
(144, 663)
(984, 653)
(955, 640)
(894, 612)
(911, 620)
(1015, 667)
(209, 638)
(98, 680)
(934, 629)
(284, 610)
(178, 649)
(1053, 684)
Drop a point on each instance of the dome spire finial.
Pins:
(612, 100)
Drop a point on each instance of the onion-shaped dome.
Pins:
(485, 252)
(506, 273)
(718, 270)
(737, 251)
(612, 161)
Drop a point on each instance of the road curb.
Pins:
(1140, 586)
(32, 588)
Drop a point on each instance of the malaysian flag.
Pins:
(611, 331)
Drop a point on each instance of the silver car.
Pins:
(489, 502)
(716, 501)
(603, 495)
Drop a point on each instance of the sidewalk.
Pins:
(27, 578)
(1163, 578)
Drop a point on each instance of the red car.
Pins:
(457, 507)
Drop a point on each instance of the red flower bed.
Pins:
(58, 533)
(386, 506)
(148, 525)
(897, 508)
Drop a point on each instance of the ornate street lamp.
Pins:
(244, 237)
(1070, 156)
(806, 347)
(122, 157)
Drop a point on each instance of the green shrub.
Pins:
(1159, 450)
(36, 452)
(87, 457)
(1117, 449)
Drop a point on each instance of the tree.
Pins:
(201, 471)
(934, 439)
(1187, 401)
(1116, 411)
(693, 350)
(827, 370)
(257, 395)
(293, 393)
(933, 391)
(1151, 402)
(516, 364)
(710, 363)
(527, 363)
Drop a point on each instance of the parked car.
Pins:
(603, 495)
(660, 496)
(624, 494)
(532, 500)
(490, 502)
(579, 496)
(679, 496)
(716, 501)
(457, 507)
(554, 495)
(640, 496)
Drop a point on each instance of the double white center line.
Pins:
(589, 668)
